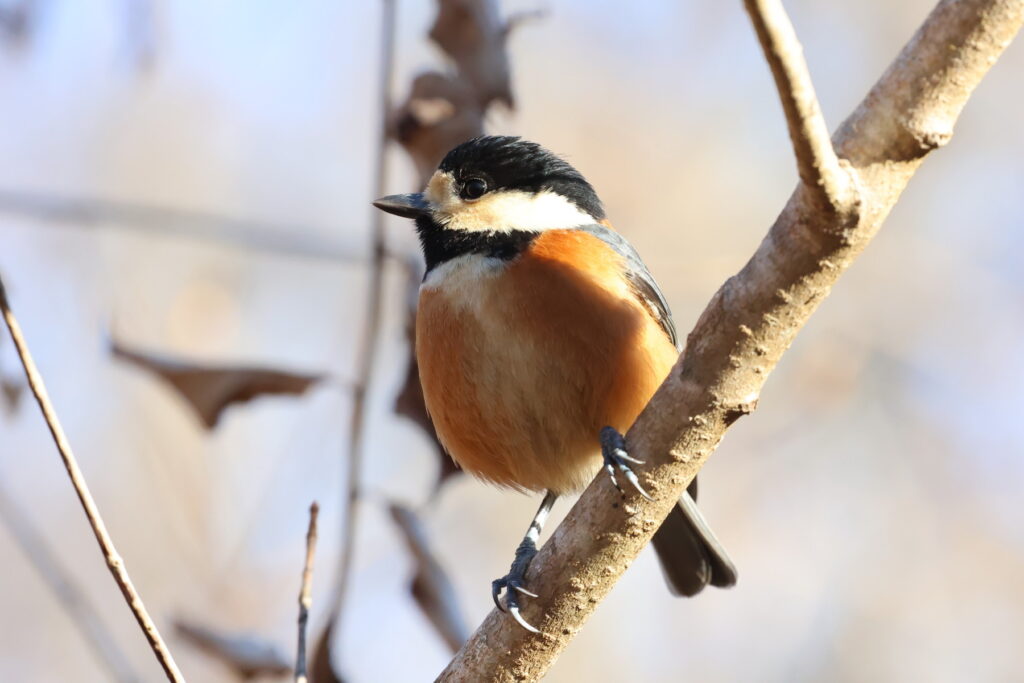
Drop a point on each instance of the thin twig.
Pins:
(75, 602)
(114, 561)
(306, 595)
(820, 170)
(371, 328)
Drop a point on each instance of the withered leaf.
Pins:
(322, 671)
(248, 656)
(439, 113)
(431, 588)
(472, 33)
(209, 390)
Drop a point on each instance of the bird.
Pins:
(540, 336)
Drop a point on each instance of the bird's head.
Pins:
(499, 184)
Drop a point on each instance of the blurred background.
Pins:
(189, 183)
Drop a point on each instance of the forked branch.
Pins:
(825, 177)
(751, 321)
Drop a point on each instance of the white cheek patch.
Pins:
(508, 210)
(502, 210)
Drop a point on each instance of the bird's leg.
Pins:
(513, 582)
(613, 448)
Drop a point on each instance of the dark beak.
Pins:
(404, 205)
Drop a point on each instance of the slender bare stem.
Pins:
(371, 327)
(306, 595)
(743, 333)
(114, 561)
(830, 184)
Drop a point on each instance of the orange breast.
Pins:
(523, 362)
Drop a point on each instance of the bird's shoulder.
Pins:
(598, 247)
(601, 247)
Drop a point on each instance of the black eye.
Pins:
(474, 188)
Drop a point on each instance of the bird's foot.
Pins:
(613, 448)
(514, 583)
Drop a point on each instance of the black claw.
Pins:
(613, 448)
(514, 584)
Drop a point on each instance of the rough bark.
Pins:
(746, 328)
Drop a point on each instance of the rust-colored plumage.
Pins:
(523, 366)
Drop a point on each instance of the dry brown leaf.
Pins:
(246, 655)
(431, 587)
(473, 34)
(322, 670)
(210, 390)
(439, 113)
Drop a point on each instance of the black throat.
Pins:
(440, 245)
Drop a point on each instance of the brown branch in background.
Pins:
(830, 184)
(74, 601)
(306, 595)
(163, 221)
(430, 587)
(114, 561)
(246, 655)
(744, 331)
(371, 329)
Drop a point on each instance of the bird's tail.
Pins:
(691, 557)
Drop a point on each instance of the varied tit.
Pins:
(540, 336)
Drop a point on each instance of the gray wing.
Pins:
(639, 277)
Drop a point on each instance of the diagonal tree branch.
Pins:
(744, 331)
(114, 562)
(828, 181)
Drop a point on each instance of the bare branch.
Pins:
(114, 561)
(163, 221)
(430, 586)
(247, 656)
(306, 595)
(742, 334)
(371, 326)
(822, 173)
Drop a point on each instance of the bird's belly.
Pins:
(522, 369)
